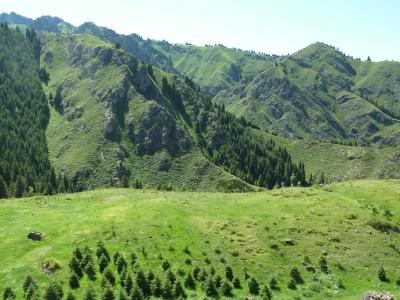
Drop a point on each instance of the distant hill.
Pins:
(322, 94)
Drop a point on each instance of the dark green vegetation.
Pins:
(334, 242)
(322, 94)
(24, 115)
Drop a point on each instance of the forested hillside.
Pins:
(24, 114)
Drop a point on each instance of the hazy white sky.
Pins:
(358, 27)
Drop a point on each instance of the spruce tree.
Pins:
(8, 294)
(167, 292)
(54, 291)
(102, 250)
(90, 271)
(123, 295)
(89, 293)
(136, 294)
(179, 292)
(27, 283)
(254, 287)
(295, 274)
(3, 188)
(266, 293)
(73, 281)
(189, 282)
(125, 182)
(229, 273)
(210, 288)
(226, 288)
(19, 188)
(108, 294)
(109, 276)
(156, 287)
(236, 283)
(71, 296)
(75, 266)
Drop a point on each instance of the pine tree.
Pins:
(125, 182)
(89, 293)
(189, 282)
(3, 188)
(19, 188)
(54, 291)
(266, 293)
(137, 294)
(156, 287)
(74, 281)
(90, 271)
(109, 276)
(103, 263)
(236, 283)
(229, 273)
(108, 294)
(254, 287)
(179, 292)
(226, 288)
(75, 266)
(58, 100)
(8, 294)
(210, 288)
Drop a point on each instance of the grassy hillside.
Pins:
(322, 94)
(341, 222)
(340, 162)
(113, 121)
(214, 68)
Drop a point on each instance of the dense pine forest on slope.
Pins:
(24, 115)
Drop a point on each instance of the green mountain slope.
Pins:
(214, 68)
(340, 162)
(353, 225)
(112, 115)
(24, 114)
(322, 94)
(103, 112)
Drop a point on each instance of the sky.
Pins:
(359, 28)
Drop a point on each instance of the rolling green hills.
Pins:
(322, 94)
(353, 226)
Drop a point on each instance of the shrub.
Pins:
(340, 284)
(188, 261)
(186, 250)
(254, 287)
(73, 281)
(382, 275)
(295, 274)
(323, 264)
(50, 265)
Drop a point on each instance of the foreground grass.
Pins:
(241, 228)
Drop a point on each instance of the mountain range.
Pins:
(209, 118)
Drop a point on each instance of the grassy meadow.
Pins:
(244, 231)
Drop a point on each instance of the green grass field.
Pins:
(241, 230)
